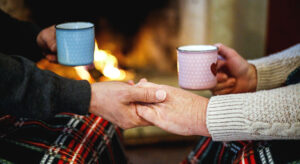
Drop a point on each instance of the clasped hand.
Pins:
(145, 103)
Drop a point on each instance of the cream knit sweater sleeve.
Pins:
(265, 114)
(273, 70)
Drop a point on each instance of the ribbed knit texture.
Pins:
(273, 70)
(266, 114)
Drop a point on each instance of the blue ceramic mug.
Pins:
(75, 43)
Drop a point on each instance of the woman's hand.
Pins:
(234, 73)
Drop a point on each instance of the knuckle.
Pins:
(146, 94)
(220, 78)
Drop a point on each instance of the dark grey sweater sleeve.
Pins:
(19, 37)
(27, 91)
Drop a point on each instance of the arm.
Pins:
(272, 114)
(273, 70)
(27, 91)
(18, 37)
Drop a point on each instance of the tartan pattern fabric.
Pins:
(244, 152)
(67, 138)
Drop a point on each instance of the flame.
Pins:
(105, 62)
(83, 73)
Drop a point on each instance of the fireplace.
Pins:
(143, 35)
(140, 37)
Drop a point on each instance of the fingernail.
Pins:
(218, 45)
(161, 95)
(143, 80)
(220, 57)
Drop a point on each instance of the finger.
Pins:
(147, 113)
(224, 51)
(130, 82)
(51, 58)
(218, 44)
(220, 64)
(140, 120)
(53, 48)
(147, 95)
(227, 84)
(220, 57)
(143, 80)
(221, 77)
(224, 91)
(148, 85)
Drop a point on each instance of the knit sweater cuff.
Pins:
(224, 118)
(273, 70)
(74, 96)
(268, 76)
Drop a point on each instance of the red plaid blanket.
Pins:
(244, 152)
(67, 138)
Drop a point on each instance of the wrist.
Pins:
(252, 78)
(201, 127)
(93, 102)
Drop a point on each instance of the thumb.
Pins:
(225, 51)
(53, 47)
(147, 95)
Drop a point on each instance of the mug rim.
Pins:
(89, 25)
(214, 48)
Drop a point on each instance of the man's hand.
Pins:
(46, 39)
(234, 73)
(182, 112)
(116, 102)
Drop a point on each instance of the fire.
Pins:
(107, 64)
(83, 74)
(104, 62)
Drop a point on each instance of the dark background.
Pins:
(124, 16)
(283, 26)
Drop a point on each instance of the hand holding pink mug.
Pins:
(197, 66)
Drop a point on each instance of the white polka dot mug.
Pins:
(196, 66)
(75, 43)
